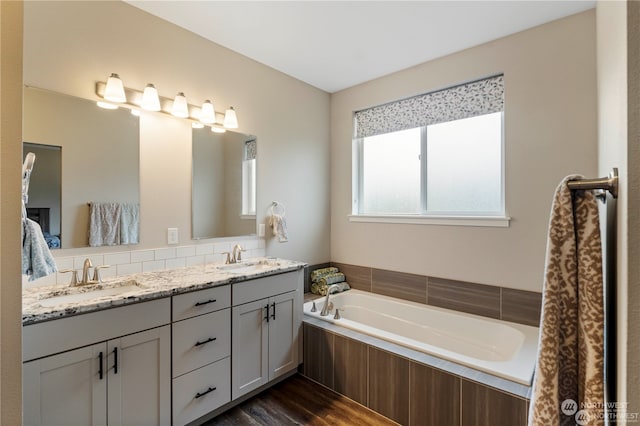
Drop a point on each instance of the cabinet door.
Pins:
(283, 334)
(66, 389)
(249, 347)
(139, 367)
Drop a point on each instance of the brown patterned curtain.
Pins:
(568, 385)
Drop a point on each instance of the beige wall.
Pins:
(89, 40)
(550, 132)
(618, 38)
(10, 164)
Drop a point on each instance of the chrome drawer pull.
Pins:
(198, 395)
(204, 342)
(207, 302)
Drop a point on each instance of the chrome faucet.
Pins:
(85, 271)
(327, 306)
(236, 254)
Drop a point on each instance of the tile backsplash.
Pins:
(128, 262)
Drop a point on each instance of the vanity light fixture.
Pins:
(135, 112)
(230, 119)
(150, 99)
(180, 106)
(207, 113)
(106, 105)
(114, 91)
(197, 125)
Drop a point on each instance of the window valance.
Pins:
(467, 100)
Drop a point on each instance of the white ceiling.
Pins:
(333, 45)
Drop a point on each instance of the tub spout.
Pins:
(327, 306)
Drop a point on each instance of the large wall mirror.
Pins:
(223, 190)
(93, 151)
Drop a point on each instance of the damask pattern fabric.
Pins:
(568, 386)
(455, 103)
(250, 150)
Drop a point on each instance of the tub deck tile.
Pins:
(388, 390)
(350, 368)
(358, 277)
(478, 299)
(504, 385)
(521, 306)
(399, 285)
(435, 397)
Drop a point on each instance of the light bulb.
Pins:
(180, 107)
(150, 99)
(106, 105)
(114, 91)
(135, 112)
(197, 125)
(207, 113)
(230, 119)
(216, 129)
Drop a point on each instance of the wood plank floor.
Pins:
(299, 401)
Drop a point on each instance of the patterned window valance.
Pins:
(455, 103)
(250, 149)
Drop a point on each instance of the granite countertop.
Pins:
(40, 303)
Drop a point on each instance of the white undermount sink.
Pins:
(246, 268)
(88, 292)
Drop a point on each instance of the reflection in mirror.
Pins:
(223, 190)
(45, 186)
(100, 161)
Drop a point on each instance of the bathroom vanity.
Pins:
(177, 345)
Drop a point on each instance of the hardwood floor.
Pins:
(299, 401)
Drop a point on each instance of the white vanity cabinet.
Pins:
(201, 351)
(266, 320)
(99, 368)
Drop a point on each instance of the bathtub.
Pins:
(501, 348)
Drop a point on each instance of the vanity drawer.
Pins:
(192, 394)
(201, 302)
(248, 291)
(193, 346)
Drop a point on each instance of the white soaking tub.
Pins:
(501, 348)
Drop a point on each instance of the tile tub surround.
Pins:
(406, 386)
(494, 346)
(153, 285)
(503, 303)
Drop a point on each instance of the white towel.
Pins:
(279, 225)
(129, 223)
(37, 261)
(104, 224)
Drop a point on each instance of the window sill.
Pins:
(487, 221)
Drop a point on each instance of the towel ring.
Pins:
(277, 208)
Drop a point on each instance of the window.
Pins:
(449, 166)
(249, 180)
